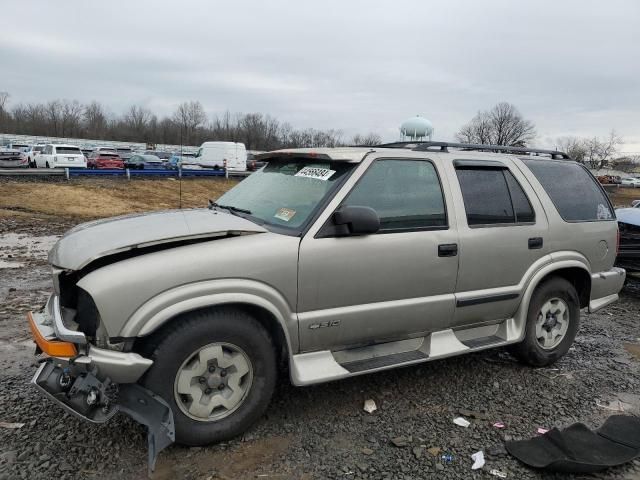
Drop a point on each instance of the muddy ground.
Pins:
(322, 431)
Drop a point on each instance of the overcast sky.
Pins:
(572, 67)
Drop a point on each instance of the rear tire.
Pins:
(553, 320)
(206, 358)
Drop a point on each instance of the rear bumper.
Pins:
(605, 287)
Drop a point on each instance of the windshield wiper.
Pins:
(231, 208)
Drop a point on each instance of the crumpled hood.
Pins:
(89, 241)
(629, 215)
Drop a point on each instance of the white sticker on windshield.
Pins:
(604, 213)
(318, 173)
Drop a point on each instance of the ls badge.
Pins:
(328, 323)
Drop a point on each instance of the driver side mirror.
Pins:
(355, 220)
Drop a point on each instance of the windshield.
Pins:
(286, 192)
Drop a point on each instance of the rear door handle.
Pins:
(448, 250)
(535, 243)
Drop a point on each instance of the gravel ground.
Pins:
(322, 431)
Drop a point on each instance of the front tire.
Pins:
(553, 320)
(217, 371)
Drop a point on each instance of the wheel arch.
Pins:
(265, 317)
(263, 302)
(574, 270)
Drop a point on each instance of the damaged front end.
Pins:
(95, 383)
(629, 247)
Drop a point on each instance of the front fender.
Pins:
(158, 310)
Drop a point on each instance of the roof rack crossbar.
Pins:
(444, 146)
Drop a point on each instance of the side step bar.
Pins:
(316, 367)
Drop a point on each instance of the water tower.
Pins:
(416, 128)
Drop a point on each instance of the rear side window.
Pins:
(493, 196)
(574, 192)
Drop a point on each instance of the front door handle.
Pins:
(535, 243)
(448, 250)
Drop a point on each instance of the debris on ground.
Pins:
(447, 458)
(478, 460)
(497, 473)
(542, 430)
(402, 441)
(434, 451)
(461, 422)
(370, 406)
(11, 426)
(499, 425)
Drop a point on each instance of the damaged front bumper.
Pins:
(93, 383)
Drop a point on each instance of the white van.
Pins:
(218, 154)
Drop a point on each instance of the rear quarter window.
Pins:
(572, 189)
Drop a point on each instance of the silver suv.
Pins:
(333, 262)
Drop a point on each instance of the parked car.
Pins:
(610, 179)
(176, 159)
(339, 262)
(32, 153)
(144, 162)
(165, 156)
(59, 155)
(124, 152)
(630, 182)
(21, 147)
(629, 226)
(219, 155)
(10, 158)
(105, 161)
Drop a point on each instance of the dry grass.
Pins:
(95, 198)
(622, 197)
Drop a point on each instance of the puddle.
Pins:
(633, 349)
(5, 264)
(27, 245)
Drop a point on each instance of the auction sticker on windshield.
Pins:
(315, 172)
(285, 214)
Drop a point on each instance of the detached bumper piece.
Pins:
(79, 391)
(576, 449)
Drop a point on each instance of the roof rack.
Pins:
(444, 147)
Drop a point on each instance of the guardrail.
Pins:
(85, 172)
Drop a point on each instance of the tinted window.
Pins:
(573, 190)
(521, 206)
(406, 194)
(486, 196)
(69, 150)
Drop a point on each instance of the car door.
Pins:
(395, 284)
(502, 228)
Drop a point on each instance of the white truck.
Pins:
(61, 156)
(218, 155)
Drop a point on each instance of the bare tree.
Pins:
(189, 117)
(95, 120)
(53, 113)
(502, 125)
(367, 140)
(136, 120)
(71, 116)
(594, 152)
(4, 98)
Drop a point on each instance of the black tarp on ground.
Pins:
(576, 449)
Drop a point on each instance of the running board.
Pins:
(323, 366)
